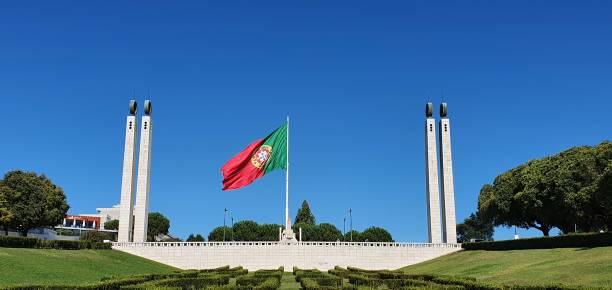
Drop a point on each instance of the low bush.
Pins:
(311, 284)
(339, 271)
(589, 240)
(468, 284)
(34, 243)
(18, 242)
(268, 284)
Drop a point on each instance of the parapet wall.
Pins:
(270, 255)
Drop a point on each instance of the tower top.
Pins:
(443, 110)
(133, 107)
(428, 110)
(147, 107)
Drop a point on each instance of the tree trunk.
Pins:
(544, 229)
(5, 230)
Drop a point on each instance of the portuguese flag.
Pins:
(257, 159)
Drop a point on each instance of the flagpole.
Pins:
(287, 182)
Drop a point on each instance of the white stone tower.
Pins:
(141, 210)
(127, 179)
(449, 232)
(431, 174)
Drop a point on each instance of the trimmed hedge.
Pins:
(261, 280)
(34, 243)
(588, 240)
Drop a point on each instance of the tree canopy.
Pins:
(29, 200)
(158, 224)
(111, 225)
(248, 230)
(474, 227)
(568, 190)
(304, 215)
(245, 231)
(216, 235)
(196, 238)
(376, 234)
(267, 232)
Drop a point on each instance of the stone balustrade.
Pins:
(270, 255)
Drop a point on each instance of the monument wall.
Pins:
(270, 255)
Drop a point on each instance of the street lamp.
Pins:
(224, 214)
(351, 222)
(344, 230)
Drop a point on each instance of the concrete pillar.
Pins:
(127, 179)
(431, 175)
(141, 209)
(449, 222)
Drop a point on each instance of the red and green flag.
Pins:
(257, 159)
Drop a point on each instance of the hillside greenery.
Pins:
(570, 266)
(54, 267)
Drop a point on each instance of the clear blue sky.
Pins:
(522, 80)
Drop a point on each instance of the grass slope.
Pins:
(543, 266)
(52, 267)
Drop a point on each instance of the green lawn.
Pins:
(36, 266)
(288, 282)
(544, 266)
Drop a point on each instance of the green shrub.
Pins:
(434, 287)
(268, 284)
(18, 242)
(468, 284)
(339, 271)
(97, 236)
(312, 284)
(588, 240)
(23, 242)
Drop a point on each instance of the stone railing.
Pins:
(271, 255)
(329, 244)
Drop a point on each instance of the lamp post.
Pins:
(224, 214)
(232, 228)
(344, 230)
(351, 222)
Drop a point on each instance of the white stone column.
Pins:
(127, 179)
(431, 175)
(449, 233)
(141, 210)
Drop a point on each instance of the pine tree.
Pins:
(304, 215)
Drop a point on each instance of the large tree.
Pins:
(30, 201)
(111, 225)
(566, 190)
(474, 227)
(267, 232)
(376, 234)
(245, 231)
(329, 233)
(353, 236)
(5, 213)
(304, 215)
(158, 224)
(216, 235)
(195, 238)
(310, 232)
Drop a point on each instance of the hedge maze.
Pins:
(358, 279)
(226, 278)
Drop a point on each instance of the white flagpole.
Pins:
(287, 182)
